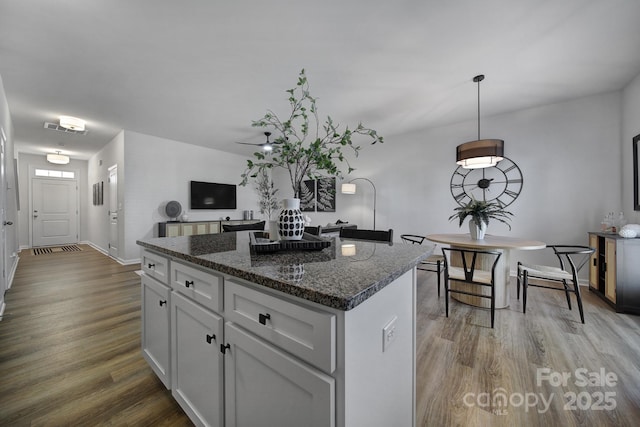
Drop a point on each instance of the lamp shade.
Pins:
(348, 188)
(72, 123)
(348, 249)
(482, 153)
(57, 158)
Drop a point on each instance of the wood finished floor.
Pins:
(70, 354)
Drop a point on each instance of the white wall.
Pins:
(569, 154)
(158, 170)
(630, 128)
(575, 158)
(10, 236)
(98, 171)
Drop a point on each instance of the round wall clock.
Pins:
(501, 183)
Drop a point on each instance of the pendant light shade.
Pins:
(57, 158)
(481, 153)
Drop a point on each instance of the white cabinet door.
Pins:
(156, 327)
(196, 361)
(266, 387)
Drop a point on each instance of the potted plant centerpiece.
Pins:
(306, 149)
(480, 212)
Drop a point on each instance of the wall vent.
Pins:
(55, 126)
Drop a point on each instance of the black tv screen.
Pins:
(209, 195)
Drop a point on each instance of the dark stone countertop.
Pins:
(326, 277)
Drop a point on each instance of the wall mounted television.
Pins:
(210, 195)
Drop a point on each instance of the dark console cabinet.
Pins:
(614, 272)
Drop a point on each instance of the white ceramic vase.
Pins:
(273, 230)
(291, 221)
(477, 231)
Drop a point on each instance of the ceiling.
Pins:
(199, 71)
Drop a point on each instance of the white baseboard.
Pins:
(12, 272)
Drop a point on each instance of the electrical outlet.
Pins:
(389, 333)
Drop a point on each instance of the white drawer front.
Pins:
(203, 287)
(302, 331)
(155, 265)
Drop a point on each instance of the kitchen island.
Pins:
(292, 338)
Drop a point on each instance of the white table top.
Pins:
(489, 242)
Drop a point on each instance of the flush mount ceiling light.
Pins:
(72, 123)
(481, 153)
(57, 158)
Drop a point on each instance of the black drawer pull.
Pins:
(262, 318)
(223, 348)
(151, 265)
(163, 303)
(188, 283)
(210, 338)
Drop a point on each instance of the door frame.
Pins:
(32, 176)
(113, 170)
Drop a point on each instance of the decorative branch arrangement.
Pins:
(268, 202)
(305, 147)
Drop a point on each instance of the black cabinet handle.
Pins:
(595, 262)
(210, 338)
(223, 348)
(151, 265)
(262, 318)
(162, 303)
(188, 283)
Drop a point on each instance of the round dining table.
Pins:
(503, 244)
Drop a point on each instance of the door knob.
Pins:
(8, 223)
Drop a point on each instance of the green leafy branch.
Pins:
(304, 146)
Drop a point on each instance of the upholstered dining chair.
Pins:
(375, 235)
(314, 230)
(470, 266)
(572, 258)
(435, 261)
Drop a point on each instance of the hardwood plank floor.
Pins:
(70, 354)
(70, 347)
(464, 366)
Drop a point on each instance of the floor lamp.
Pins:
(349, 188)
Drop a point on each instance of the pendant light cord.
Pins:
(478, 109)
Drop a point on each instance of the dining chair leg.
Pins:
(518, 274)
(576, 286)
(446, 297)
(438, 273)
(566, 292)
(525, 278)
(493, 306)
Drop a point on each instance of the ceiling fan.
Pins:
(266, 146)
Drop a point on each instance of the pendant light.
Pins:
(481, 153)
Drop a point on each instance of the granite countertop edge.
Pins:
(333, 301)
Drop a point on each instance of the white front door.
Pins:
(54, 211)
(113, 211)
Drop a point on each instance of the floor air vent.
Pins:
(50, 250)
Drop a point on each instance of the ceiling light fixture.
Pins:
(482, 153)
(58, 159)
(72, 123)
